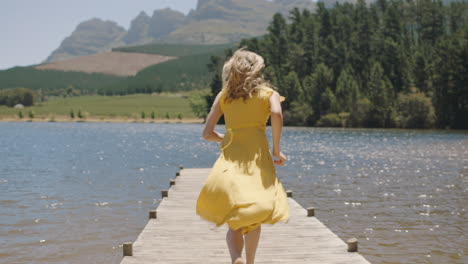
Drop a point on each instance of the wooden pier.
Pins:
(175, 234)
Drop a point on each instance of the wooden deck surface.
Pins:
(178, 235)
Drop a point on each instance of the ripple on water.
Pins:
(400, 192)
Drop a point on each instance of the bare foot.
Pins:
(239, 261)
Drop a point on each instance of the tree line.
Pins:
(12, 97)
(391, 63)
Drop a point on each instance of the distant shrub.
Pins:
(330, 120)
(198, 103)
(20, 114)
(143, 115)
(167, 115)
(72, 114)
(179, 116)
(71, 91)
(360, 113)
(300, 114)
(153, 115)
(344, 117)
(80, 114)
(415, 110)
(11, 97)
(31, 114)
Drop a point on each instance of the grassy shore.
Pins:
(130, 108)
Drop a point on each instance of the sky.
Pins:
(31, 29)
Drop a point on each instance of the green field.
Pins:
(129, 106)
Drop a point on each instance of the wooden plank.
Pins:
(178, 235)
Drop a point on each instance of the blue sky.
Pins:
(31, 29)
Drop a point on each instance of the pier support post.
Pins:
(352, 245)
(164, 193)
(310, 211)
(153, 214)
(289, 193)
(128, 249)
(171, 182)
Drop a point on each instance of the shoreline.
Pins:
(66, 119)
(59, 119)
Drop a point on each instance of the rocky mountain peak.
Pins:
(89, 37)
(139, 28)
(212, 22)
(165, 21)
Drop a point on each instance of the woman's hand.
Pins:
(279, 159)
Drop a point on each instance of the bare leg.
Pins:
(235, 242)
(251, 243)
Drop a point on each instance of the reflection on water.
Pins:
(401, 193)
(73, 192)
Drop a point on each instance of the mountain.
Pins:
(212, 22)
(164, 22)
(139, 29)
(223, 21)
(145, 29)
(90, 37)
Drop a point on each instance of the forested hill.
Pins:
(187, 72)
(388, 64)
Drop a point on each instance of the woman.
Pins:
(242, 189)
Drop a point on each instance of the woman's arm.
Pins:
(276, 127)
(212, 120)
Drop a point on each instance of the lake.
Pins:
(74, 192)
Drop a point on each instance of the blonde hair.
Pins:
(242, 74)
(226, 72)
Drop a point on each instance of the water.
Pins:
(74, 192)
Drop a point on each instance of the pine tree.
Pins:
(277, 47)
(294, 89)
(431, 20)
(360, 41)
(381, 96)
(310, 46)
(392, 27)
(347, 90)
(296, 30)
(314, 87)
(328, 102)
(323, 15)
(451, 89)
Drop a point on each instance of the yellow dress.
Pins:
(242, 189)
